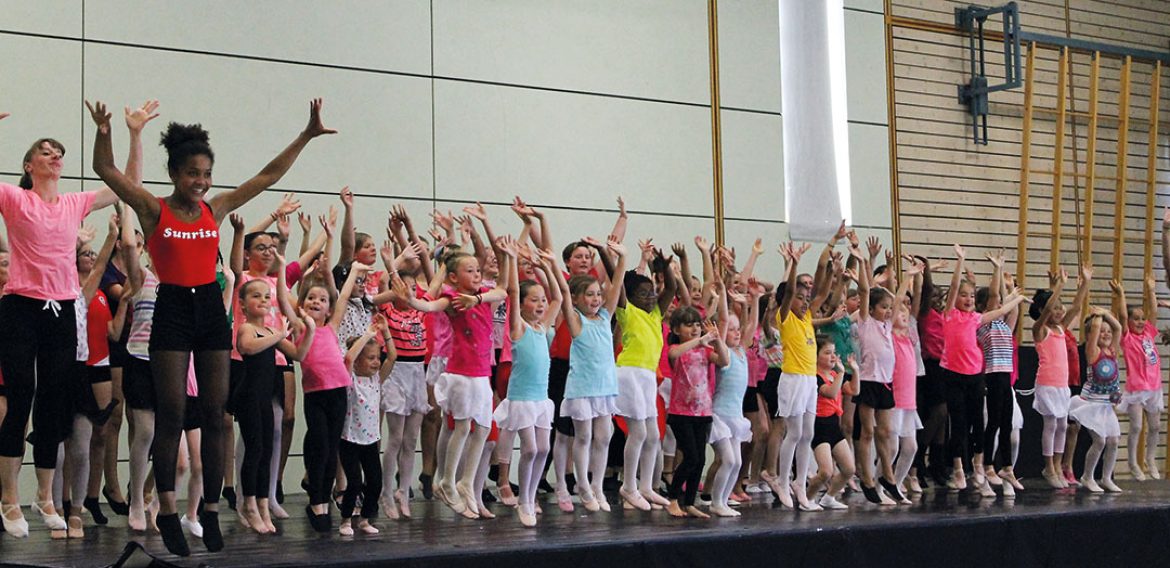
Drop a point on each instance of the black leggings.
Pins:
(169, 371)
(254, 413)
(38, 349)
(691, 433)
(324, 419)
(363, 473)
(965, 407)
(999, 418)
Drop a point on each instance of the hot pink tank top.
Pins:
(323, 367)
(1053, 368)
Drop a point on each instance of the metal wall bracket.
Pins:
(975, 93)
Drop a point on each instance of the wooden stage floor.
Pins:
(1051, 525)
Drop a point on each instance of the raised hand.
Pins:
(621, 207)
(305, 220)
(854, 241)
(615, 247)
(476, 211)
(327, 226)
(101, 117)
(960, 253)
(237, 221)
(1115, 286)
(445, 222)
(4, 115)
(387, 253)
(315, 127)
(359, 268)
(508, 246)
(995, 258)
(289, 204)
(702, 244)
(1086, 273)
(592, 242)
(758, 246)
(679, 250)
(282, 226)
(942, 264)
(137, 118)
(86, 234)
(841, 232)
(346, 196)
(873, 245)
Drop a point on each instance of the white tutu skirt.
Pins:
(589, 407)
(404, 392)
(435, 369)
(1017, 414)
(738, 428)
(1052, 401)
(906, 422)
(513, 415)
(1150, 400)
(637, 393)
(464, 397)
(1096, 414)
(796, 395)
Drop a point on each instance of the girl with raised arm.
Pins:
(182, 232)
(1093, 408)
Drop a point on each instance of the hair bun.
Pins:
(177, 135)
(1038, 302)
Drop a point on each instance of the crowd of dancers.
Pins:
(866, 376)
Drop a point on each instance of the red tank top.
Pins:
(184, 253)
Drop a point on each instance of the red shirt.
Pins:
(930, 331)
(97, 320)
(184, 253)
(831, 406)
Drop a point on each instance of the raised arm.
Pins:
(791, 255)
(956, 278)
(617, 274)
(236, 257)
(229, 201)
(993, 297)
(94, 278)
(1150, 300)
(289, 204)
(515, 321)
(822, 281)
(1120, 308)
(619, 226)
(357, 270)
(1073, 313)
(347, 234)
(1056, 281)
(356, 349)
(126, 189)
(669, 282)
(1092, 349)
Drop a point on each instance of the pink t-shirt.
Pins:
(757, 365)
(471, 338)
(930, 331)
(43, 239)
(905, 372)
(1143, 368)
(323, 367)
(875, 338)
(1052, 370)
(439, 326)
(961, 351)
(692, 387)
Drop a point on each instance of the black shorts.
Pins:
(751, 402)
(118, 354)
(138, 384)
(932, 387)
(878, 396)
(98, 375)
(827, 430)
(769, 388)
(558, 374)
(192, 416)
(190, 319)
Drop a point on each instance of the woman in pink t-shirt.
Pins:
(40, 344)
(1143, 377)
(962, 359)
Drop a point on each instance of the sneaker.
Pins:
(830, 503)
(757, 487)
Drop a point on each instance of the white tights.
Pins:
(398, 458)
(1053, 435)
(730, 460)
(591, 452)
(641, 454)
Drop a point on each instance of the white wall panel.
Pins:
(381, 148)
(753, 166)
(749, 54)
(865, 67)
(869, 172)
(574, 150)
(388, 35)
(869, 5)
(651, 48)
(42, 79)
(49, 17)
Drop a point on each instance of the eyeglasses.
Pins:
(648, 294)
(264, 248)
(88, 253)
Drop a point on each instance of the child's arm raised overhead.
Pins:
(603, 256)
(749, 266)
(90, 285)
(1149, 301)
(916, 290)
(993, 291)
(791, 255)
(515, 322)
(236, 257)
(1012, 317)
(347, 234)
(391, 349)
(956, 278)
(1010, 303)
(1092, 349)
(721, 356)
(751, 321)
(1056, 282)
(1073, 313)
(863, 285)
(619, 226)
(708, 264)
(556, 296)
(356, 349)
(617, 276)
(669, 281)
(682, 290)
(568, 311)
(356, 270)
(904, 286)
(1120, 309)
(822, 281)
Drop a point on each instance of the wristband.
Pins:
(478, 298)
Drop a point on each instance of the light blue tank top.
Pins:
(730, 385)
(530, 361)
(592, 371)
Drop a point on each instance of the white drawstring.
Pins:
(52, 305)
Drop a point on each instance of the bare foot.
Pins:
(675, 510)
(695, 512)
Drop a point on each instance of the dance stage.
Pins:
(1040, 527)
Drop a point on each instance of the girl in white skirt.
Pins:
(591, 388)
(1052, 392)
(463, 392)
(1093, 409)
(1143, 377)
(729, 427)
(527, 411)
(905, 423)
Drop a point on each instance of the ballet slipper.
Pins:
(506, 496)
(655, 498)
(992, 477)
(527, 518)
(1089, 483)
(49, 515)
(75, 530)
(346, 528)
(694, 511)
(367, 528)
(468, 501)
(403, 500)
(1136, 472)
(634, 500)
(390, 508)
(1108, 485)
(14, 522)
(486, 514)
(276, 510)
(675, 510)
(136, 518)
(564, 501)
(456, 505)
(1054, 480)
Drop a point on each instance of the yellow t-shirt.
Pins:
(641, 337)
(800, 344)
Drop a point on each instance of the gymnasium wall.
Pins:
(442, 103)
(952, 190)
